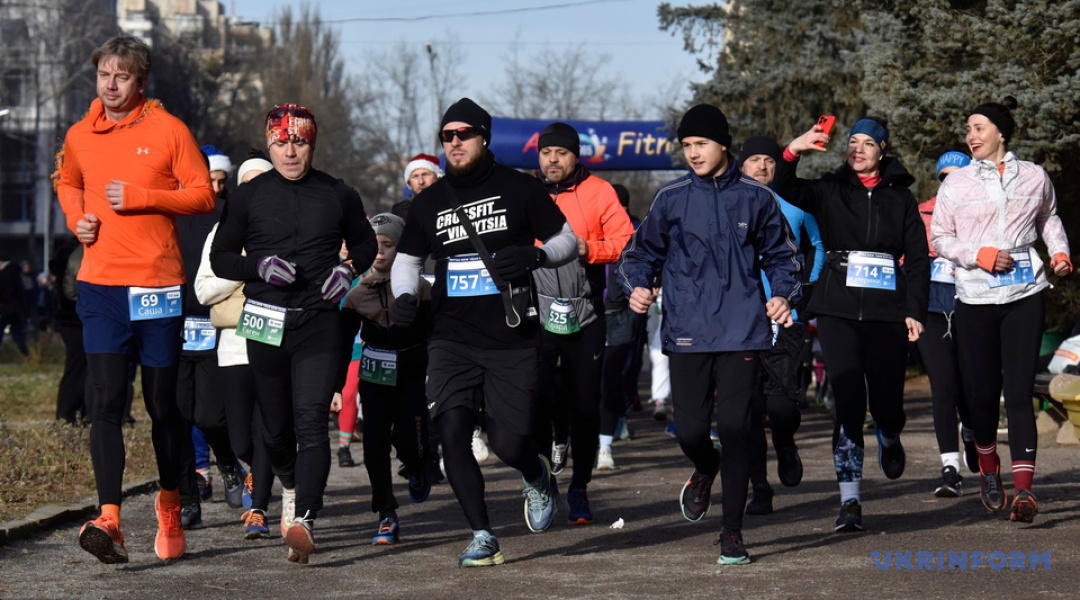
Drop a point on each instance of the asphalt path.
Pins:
(655, 554)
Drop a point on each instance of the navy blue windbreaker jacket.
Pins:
(711, 238)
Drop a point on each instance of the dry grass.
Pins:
(43, 461)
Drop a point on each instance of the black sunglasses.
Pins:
(463, 133)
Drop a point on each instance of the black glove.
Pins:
(513, 262)
(404, 310)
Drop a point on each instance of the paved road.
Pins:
(657, 553)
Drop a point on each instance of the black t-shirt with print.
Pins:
(507, 208)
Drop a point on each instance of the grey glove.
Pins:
(277, 271)
(338, 283)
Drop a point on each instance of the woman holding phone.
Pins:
(987, 217)
(867, 308)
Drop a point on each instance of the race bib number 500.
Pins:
(262, 322)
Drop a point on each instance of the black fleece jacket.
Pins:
(851, 216)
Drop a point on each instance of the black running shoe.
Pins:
(234, 484)
(952, 484)
(892, 459)
(344, 457)
(732, 551)
(789, 465)
(696, 496)
(1024, 507)
(191, 516)
(850, 516)
(761, 503)
(993, 494)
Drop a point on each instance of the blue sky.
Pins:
(626, 30)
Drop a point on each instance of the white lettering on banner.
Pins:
(483, 214)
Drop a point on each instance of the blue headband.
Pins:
(952, 159)
(875, 130)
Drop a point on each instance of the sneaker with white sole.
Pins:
(604, 460)
(479, 448)
(560, 454)
(300, 540)
(541, 500)
(483, 551)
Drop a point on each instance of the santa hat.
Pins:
(423, 161)
(218, 160)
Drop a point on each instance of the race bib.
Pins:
(562, 318)
(261, 322)
(378, 366)
(871, 270)
(943, 271)
(466, 275)
(1022, 271)
(199, 334)
(154, 303)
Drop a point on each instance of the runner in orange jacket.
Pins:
(127, 168)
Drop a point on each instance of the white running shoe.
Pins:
(604, 460)
(479, 448)
(288, 510)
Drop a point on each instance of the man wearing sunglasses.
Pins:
(572, 311)
(476, 361)
(281, 233)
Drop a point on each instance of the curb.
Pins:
(47, 517)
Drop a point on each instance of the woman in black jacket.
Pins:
(868, 308)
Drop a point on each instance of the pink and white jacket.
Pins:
(977, 208)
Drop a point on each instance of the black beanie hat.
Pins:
(1000, 115)
(705, 120)
(467, 111)
(759, 144)
(561, 135)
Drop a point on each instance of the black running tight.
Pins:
(107, 385)
(517, 451)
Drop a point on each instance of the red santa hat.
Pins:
(423, 161)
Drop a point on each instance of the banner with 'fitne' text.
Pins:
(605, 145)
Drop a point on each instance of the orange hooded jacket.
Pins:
(157, 158)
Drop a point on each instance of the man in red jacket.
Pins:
(572, 311)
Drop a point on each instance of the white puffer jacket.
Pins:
(977, 208)
(211, 289)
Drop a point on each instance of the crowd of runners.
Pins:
(518, 306)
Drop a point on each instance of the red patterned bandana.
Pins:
(289, 120)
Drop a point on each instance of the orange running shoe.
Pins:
(169, 543)
(102, 538)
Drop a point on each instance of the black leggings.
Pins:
(246, 432)
(999, 351)
(518, 451)
(784, 421)
(867, 361)
(200, 398)
(295, 384)
(581, 368)
(937, 345)
(394, 415)
(733, 375)
(107, 385)
(71, 395)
